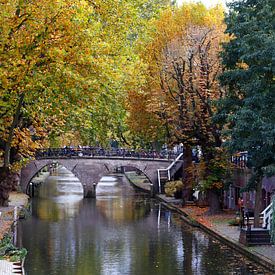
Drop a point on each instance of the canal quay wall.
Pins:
(263, 255)
(18, 203)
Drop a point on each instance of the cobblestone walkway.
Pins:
(233, 233)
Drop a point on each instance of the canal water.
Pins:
(122, 231)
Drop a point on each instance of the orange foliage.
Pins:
(181, 83)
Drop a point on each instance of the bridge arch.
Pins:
(91, 170)
(35, 167)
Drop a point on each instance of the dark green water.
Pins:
(120, 232)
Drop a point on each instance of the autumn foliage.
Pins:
(64, 68)
(183, 64)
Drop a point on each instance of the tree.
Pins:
(120, 24)
(63, 64)
(36, 51)
(183, 65)
(46, 58)
(248, 108)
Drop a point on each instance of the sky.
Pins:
(207, 3)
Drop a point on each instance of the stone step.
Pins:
(258, 240)
(259, 243)
(255, 236)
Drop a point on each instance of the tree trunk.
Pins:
(214, 201)
(9, 179)
(8, 182)
(11, 131)
(187, 177)
(258, 203)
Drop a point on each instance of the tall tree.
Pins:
(248, 109)
(183, 65)
(43, 45)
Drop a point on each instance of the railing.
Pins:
(240, 159)
(267, 216)
(89, 151)
(167, 170)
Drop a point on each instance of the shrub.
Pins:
(8, 250)
(171, 187)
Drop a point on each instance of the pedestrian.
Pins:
(241, 210)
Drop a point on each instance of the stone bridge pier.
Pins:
(90, 170)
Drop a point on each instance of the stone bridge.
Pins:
(90, 170)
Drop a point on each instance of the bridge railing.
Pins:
(101, 152)
(165, 173)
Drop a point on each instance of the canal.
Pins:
(122, 231)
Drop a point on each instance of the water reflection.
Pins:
(59, 197)
(119, 232)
